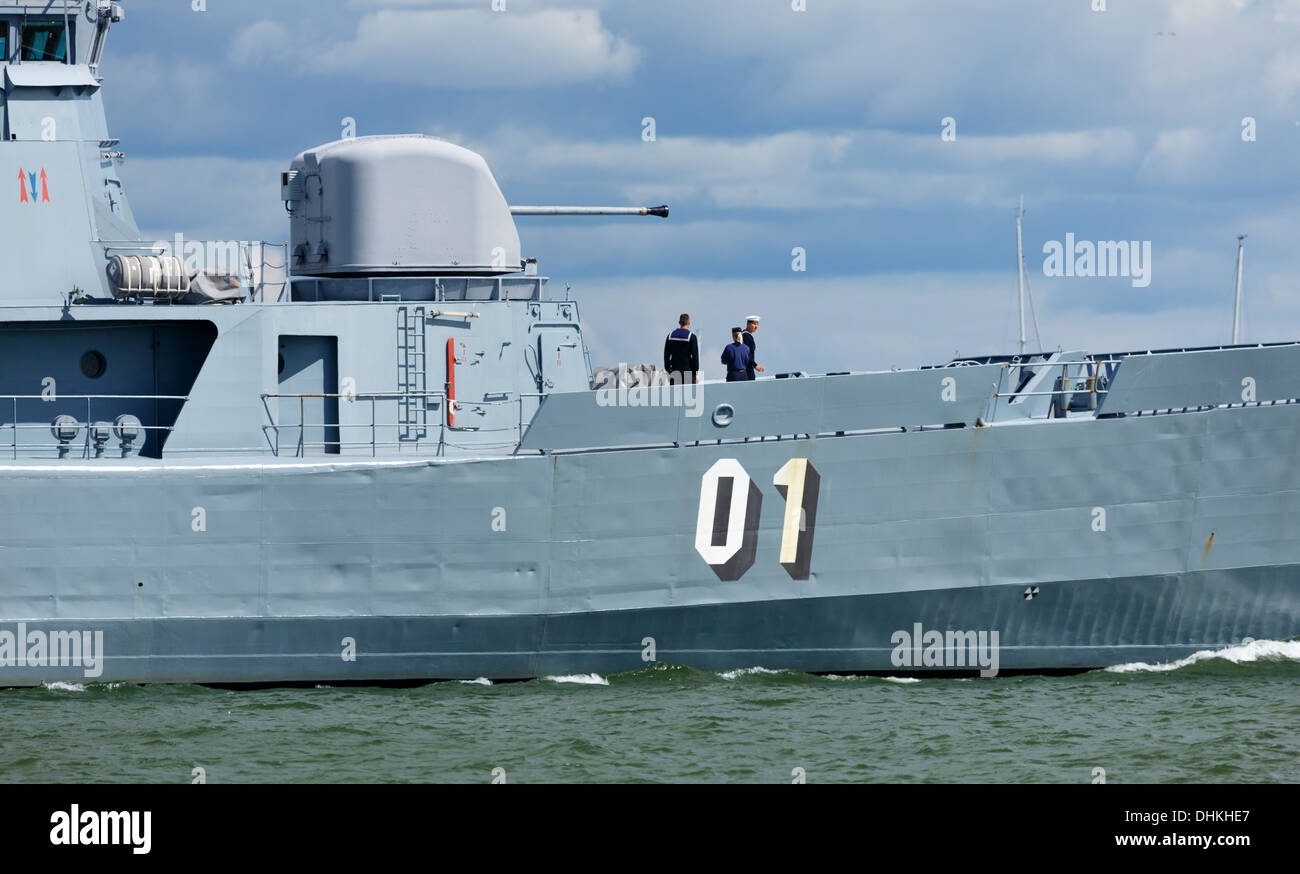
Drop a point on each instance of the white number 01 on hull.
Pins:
(726, 529)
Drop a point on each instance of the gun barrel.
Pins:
(661, 211)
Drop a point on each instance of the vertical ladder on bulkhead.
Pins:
(413, 405)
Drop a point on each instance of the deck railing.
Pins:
(97, 432)
(449, 424)
(1090, 377)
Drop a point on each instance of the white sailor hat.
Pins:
(752, 319)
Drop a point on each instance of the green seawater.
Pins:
(1214, 720)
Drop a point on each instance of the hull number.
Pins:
(726, 529)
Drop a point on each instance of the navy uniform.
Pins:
(736, 359)
(748, 339)
(682, 356)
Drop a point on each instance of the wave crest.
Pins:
(581, 679)
(1241, 653)
(746, 672)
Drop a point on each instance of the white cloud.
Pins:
(207, 198)
(797, 170)
(1100, 146)
(990, 62)
(259, 42)
(506, 6)
(903, 320)
(1284, 78)
(1179, 156)
(457, 49)
(177, 100)
(888, 320)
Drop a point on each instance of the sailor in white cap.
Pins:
(751, 325)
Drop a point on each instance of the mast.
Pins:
(1236, 304)
(1020, 271)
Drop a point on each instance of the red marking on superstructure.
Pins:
(451, 383)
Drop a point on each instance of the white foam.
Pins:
(1253, 651)
(900, 679)
(60, 686)
(481, 681)
(744, 672)
(581, 679)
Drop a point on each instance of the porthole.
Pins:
(93, 364)
(723, 414)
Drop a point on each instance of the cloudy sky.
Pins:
(774, 129)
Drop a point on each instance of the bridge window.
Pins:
(4, 40)
(45, 41)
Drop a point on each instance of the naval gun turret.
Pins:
(396, 205)
(406, 206)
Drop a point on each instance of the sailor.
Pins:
(751, 325)
(682, 354)
(736, 358)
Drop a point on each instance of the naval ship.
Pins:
(379, 452)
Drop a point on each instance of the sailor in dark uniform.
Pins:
(682, 354)
(751, 325)
(736, 358)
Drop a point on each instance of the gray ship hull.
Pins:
(977, 529)
(1080, 625)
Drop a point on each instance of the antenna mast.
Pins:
(1020, 271)
(1236, 304)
